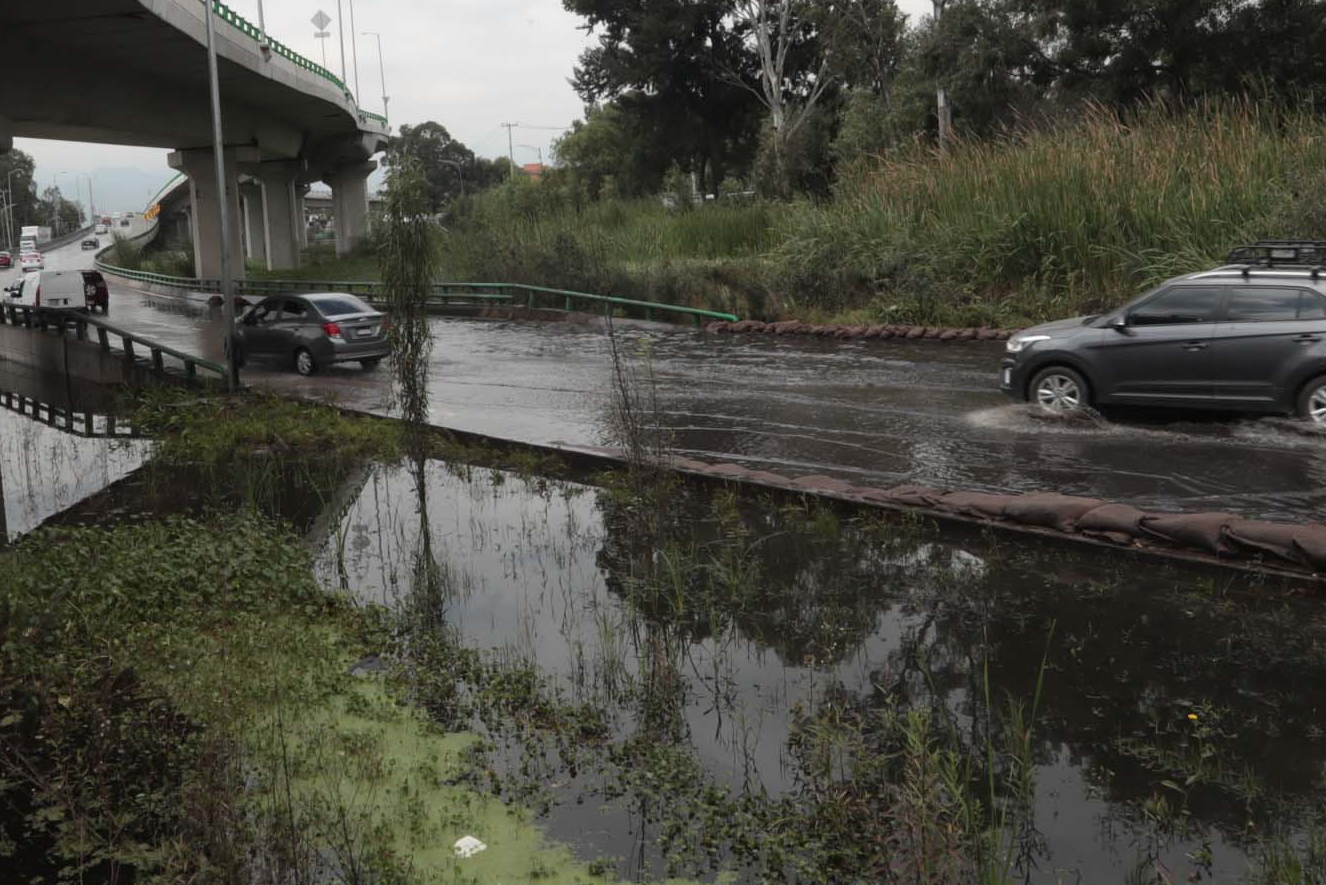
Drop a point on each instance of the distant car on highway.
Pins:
(309, 332)
(31, 261)
(6, 260)
(1247, 336)
(91, 243)
(101, 230)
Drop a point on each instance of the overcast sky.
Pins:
(469, 64)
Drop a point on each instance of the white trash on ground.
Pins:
(468, 846)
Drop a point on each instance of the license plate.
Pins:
(366, 333)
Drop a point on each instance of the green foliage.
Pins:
(212, 432)
(449, 168)
(409, 258)
(1053, 221)
(124, 253)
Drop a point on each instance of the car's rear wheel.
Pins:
(304, 363)
(1312, 401)
(1059, 390)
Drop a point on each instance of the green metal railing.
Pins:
(137, 350)
(444, 294)
(246, 27)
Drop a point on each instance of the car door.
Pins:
(1160, 356)
(288, 330)
(259, 334)
(1259, 342)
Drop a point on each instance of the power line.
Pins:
(510, 146)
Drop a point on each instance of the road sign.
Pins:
(321, 20)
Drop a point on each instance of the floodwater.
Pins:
(874, 413)
(1165, 746)
(58, 446)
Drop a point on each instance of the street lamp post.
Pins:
(382, 72)
(218, 154)
(55, 202)
(354, 50)
(9, 188)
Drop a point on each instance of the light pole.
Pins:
(382, 72)
(56, 200)
(9, 188)
(218, 154)
(354, 50)
(340, 35)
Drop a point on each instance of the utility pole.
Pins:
(943, 114)
(218, 154)
(510, 146)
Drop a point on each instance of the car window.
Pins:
(1179, 305)
(267, 312)
(341, 305)
(1262, 304)
(1312, 307)
(293, 311)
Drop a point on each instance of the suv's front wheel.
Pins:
(1059, 390)
(1312, 401)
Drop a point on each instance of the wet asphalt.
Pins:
(874, 412)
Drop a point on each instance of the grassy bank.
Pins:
(1055, 222)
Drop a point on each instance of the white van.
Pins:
(51, 289)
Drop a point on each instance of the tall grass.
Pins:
(1055, 219)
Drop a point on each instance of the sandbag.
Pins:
(1050, 510)
(980, 504)
(820, 483)
(1199, 531)
(913, 496)
(1111, 519)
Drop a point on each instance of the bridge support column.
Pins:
(349, 186)
(281, 219)
(301, 215)
(200, 167)
(6, 135)
(255, 227)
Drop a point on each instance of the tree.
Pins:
(792, 73)
(863, 41)
(26, 203)
(662, 63)
(602, 155)
(447, 165)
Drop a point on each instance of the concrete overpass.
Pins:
(135, 72)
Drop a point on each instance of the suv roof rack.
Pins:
(1309, 254)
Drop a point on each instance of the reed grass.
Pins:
(1069, 218)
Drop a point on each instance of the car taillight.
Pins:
(332, 330)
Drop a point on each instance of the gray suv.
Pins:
(1248, 336)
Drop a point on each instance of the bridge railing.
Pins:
(137, 350)
(246, 27)
(449, 295)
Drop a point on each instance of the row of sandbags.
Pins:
(859, 332)
(1223, 535)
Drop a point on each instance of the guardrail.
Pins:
(79, 423)
(444, 294)
(246, 27)
(130, 343)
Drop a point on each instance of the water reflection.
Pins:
(727, 626)
(59, 444)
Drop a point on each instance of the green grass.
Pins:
(1054, 221)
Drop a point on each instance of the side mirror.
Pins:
(1119, 323)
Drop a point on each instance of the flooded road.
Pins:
(875, 413)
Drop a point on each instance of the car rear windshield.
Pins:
(333, 306)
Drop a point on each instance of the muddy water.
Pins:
(58, 446)
(1150, 700)
(872, 412)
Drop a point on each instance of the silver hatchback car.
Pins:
(309, 332)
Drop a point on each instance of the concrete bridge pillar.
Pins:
(282, 219)
(6, 135)
(199, 166)
(349, 186)
(301, 215)
(255, 227)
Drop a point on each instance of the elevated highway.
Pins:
(134, 72)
